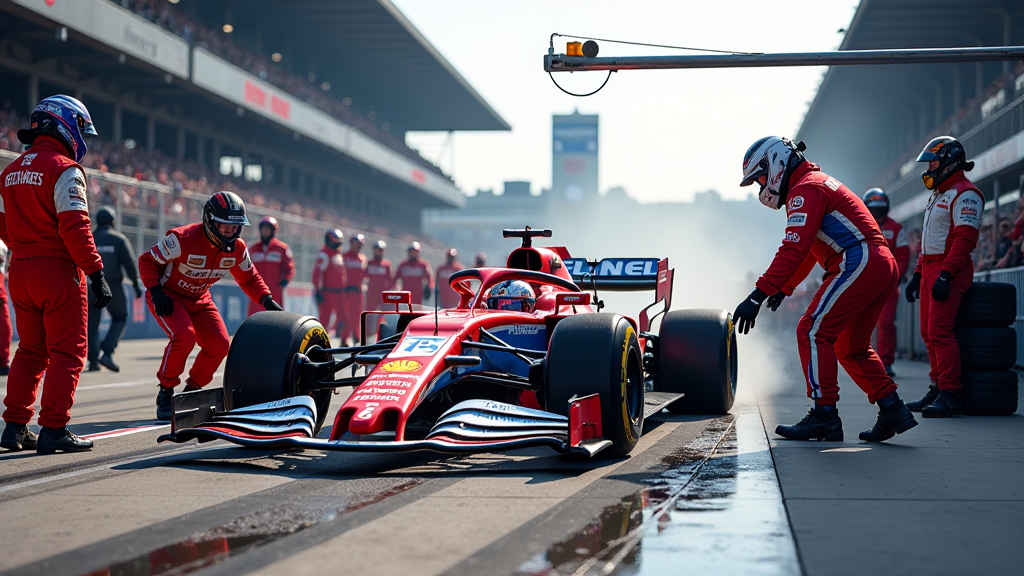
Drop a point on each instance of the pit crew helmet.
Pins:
(361, 238)
(877, 203)
(334, 238)
(64, 118)
(269, 221)
(224, 208)
(380, 244)
(415, 246)
(514, 295)
(775, 158)
(951, 156)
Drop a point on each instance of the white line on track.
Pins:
(128, 384)
(124, 431)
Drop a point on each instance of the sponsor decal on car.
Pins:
(401, 366)
(636, 268)
(314, 335)
(418, 346)
(524, 329)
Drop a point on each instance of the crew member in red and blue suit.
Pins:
(44, 218)
(829, 225)
(178, 273)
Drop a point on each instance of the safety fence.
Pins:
(908, 317)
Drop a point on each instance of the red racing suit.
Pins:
(829, 225)
(949, 235)
(449, 298)
(6, 330)
(329, 283)
(185, 263)
(416, 277)
(275, 264)
(352, 297)
(378, 279)
(44, 218)
(900, 248)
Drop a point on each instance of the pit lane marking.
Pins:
(124, 431)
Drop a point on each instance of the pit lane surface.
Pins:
(132, 506)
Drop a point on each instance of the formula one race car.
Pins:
(474, 378)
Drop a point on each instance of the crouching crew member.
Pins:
(117, 255)
(878, 204)
(44, 218)
(273, 260)
(829, 225)
(178, 273)
(945, 271)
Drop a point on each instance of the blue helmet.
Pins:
(877, 202)
(65, 118)
(513, 295)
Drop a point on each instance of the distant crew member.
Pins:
(378, 276)
(6, 330)
(117, 255)
(449, 297)
(178, 273)
(415, 275)
(878, 204)
(945, 271)
(329, 282)
(480, 261)
(44, 218)
(355, 272)
(273, 260)
(829, 225)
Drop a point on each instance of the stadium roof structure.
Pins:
(368, 49)
(854, 104)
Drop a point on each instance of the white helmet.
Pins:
(775, 158)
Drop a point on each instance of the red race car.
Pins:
(527, 358)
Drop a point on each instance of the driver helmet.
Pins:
(514, 295)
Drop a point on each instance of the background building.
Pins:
(575, 167)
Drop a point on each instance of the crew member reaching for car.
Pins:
(944, 271)
(178, 273)
(829, 225)
(415, 275)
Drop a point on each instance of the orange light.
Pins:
(574, 49)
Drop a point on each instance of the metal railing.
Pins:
(908, 324)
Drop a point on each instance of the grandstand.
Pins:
(867, 124)
(302, 108)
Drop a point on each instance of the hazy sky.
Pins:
(665, 135)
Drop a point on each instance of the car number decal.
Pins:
(418, 346)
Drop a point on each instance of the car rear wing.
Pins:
(625, 275)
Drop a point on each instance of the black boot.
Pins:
(893, 420)
(946, 404)
(60, 440)
(107, 361)
(18, 437)
(93, 367)
(165, 404)
(933, 393)
(817, 425)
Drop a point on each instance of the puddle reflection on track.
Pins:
(722, 515)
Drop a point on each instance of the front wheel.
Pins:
(259, 364)
(598, 353)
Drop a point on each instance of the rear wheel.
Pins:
(259, 364)
(697, 356)
(598, 353)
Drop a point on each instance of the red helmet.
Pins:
(269, 221)
(414, 246)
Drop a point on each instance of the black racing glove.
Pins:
(773, 302)
(284, 282)
(162, 303)
(138, 289)
(269, 304)
(913, 290)
(319, 297)
(940, 290)
(100, 290)
(747, 311)
(426, 292)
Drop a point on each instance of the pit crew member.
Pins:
(352, 297)
(829, 225)
(6, 330)
(945, 271)
(378, 276)
(480, 260)
(178, 273)
(449, 298)
(415, 275)
(877, 202)
(273, 260)
(117, 255)
(329, 282)
(44, 219)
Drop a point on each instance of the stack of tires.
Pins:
(988, 348)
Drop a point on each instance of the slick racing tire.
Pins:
(988, 304)
(698, 357)
(987, 348)
(260, 360)
(598, 353)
